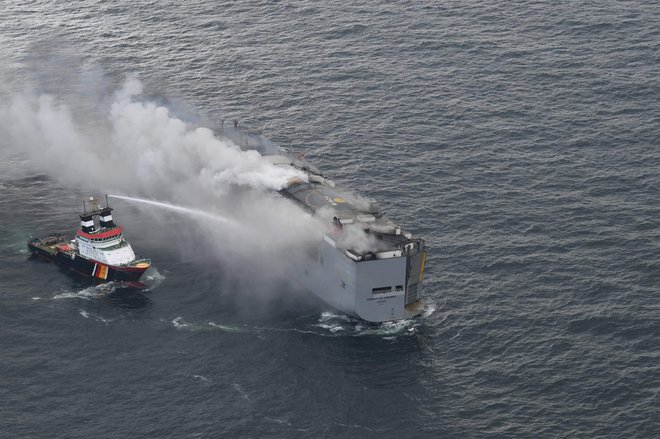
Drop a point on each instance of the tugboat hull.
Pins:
(88, 267)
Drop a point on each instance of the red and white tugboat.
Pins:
(98, 249)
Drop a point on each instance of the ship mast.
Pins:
(105, 221)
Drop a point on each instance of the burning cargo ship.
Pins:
(377, 282)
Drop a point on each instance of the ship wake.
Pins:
(327, 325)
(340, 324)
(89, 293)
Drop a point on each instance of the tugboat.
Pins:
(97, 250)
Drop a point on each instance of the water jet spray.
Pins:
(182, 209)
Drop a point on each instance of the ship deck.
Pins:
(350, 210)
(321, 196)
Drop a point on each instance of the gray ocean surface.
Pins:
(519, 138)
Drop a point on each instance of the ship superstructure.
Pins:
(98, 249)
(366, 265)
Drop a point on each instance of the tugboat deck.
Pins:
(51, 243)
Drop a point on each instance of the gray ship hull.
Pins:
(381, 289)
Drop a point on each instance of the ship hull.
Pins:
(89, 267)
(377, 290)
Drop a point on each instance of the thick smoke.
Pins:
(139, 148)
(140, 145)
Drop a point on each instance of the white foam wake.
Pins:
(88, 293)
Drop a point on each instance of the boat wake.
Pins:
(430, 309)
(98, 318)
(152, 278)
(119, 294)
(180, 323)
(341, 324)
(328, 325)
(88, 293)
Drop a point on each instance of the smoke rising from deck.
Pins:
(136, 142)
(138, 148)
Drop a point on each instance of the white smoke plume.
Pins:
(352, 236)
(139, 148)
(140, 145)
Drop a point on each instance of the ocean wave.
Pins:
(88, 315)
(224, 327)
(179, 323)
